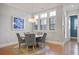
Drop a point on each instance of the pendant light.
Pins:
(32, 18)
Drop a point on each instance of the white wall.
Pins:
(70, 13)
(7, 35)
(67, 30)
(58, 34)
(59, 18)
(78, 29)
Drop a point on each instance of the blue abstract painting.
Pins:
(18, 23)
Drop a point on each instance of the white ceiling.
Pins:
(71, 6)
(33, 7)
(37, 7)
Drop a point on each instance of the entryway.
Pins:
(73, 27)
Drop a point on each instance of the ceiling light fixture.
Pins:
(32, 18)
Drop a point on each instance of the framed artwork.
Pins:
(18, 23)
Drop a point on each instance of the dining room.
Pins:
(36, 29)
(22, 23)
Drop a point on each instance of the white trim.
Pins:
(66, 40)
(71, 13)
(78, 30)
(73, 37)
(54, 42)
(48, 41)
(7, 44)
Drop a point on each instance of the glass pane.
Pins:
(44, 15)
(43, 27)
(52, 27)
(52, 23)
(52, 20)
(53, 13)
(36, 22)
(43, 21)
(36, 17)
(75, 24)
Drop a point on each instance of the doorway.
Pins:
(73, 27)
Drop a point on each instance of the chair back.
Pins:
(18, 36)
(30, 39)
(33, 39)
(44, 37)
(21, 40)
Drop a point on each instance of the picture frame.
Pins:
(17, 23)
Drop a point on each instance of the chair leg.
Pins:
(19, 46)
(27, 48)
(33, 47)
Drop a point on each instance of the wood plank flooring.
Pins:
(70, 48)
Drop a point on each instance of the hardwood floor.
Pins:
(70, 48)
(7, 50)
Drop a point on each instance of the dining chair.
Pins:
(20, 40)
(42, 41)
(30, 41)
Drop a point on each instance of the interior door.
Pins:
(73, 25)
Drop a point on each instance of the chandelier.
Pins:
(32, 19)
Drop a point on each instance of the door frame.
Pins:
(72, 14)
(70, 27)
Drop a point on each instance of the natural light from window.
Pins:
(53, 13)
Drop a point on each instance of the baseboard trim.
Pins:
(54, 42)
(48, 41)
(73, 37)
(7, 44)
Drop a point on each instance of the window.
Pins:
(43, 15)
(43, 25)
(52, 23)
(53, 13)
(75, 24)
(52, 20)
(36, 23)
(43, 21)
